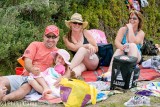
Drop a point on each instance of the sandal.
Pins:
(105, 79)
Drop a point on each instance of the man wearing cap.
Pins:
(37, 58)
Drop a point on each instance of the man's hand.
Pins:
(35, 71)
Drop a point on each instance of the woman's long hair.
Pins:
(140, 17)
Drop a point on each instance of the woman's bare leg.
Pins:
(133, 51)
(117, 52)
(78, 57)
(79, 69)
(81, 62)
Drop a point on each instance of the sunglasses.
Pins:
(134, 18)
(77, 23)
(49, 36)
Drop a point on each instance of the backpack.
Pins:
(149, 48)
(105, 49)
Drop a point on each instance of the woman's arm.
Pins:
(138, 39)
(75, 47)
(92, 43)
(119, 38)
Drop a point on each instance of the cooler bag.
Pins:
(124, 70)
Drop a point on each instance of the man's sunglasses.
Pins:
(49, 36)
(77, 23)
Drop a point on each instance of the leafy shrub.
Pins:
(23, 21)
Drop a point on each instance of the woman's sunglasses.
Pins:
(134, 18)
(77, 23)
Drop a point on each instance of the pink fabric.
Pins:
(98, 35)
(145, 74)
(60, 69)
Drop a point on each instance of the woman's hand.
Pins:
(129, 26)
(91, 49)
(125, 47)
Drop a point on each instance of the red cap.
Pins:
(52, 29)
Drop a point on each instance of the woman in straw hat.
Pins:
(82, 45)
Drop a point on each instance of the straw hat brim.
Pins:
(85, 23)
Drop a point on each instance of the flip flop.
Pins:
(101, 78)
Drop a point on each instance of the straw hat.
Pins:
(76, 17)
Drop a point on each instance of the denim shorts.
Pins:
(16, 81)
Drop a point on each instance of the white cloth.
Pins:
(147, 64)
(33, 97)
(144, 3)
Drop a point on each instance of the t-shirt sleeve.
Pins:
(30, 51)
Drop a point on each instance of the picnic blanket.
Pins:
(148, 74)
(145, 74)
(90, 76)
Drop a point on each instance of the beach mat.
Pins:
(148, 74)
(90, 76)
(51, 101)
(145, 74)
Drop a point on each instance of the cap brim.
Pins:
(68, 63)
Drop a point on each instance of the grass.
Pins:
(116, 100)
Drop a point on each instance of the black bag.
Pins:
(105, 53)
(124, 72)
(149, 48)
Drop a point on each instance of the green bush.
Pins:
(23, 21)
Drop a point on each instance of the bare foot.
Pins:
(5, 98)
(3, 91)
(47, 94)
(107, 74)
